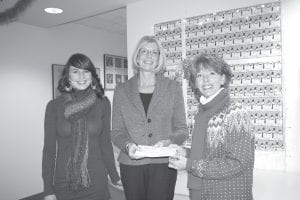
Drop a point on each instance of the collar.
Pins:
(203, 100)
(219, 100)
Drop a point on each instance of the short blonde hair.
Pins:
(160, 68)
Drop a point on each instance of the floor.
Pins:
(268, 185)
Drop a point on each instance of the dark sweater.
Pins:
(221, 161)
(58, 147)
(146, 98)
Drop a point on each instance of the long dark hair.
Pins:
(80, 61)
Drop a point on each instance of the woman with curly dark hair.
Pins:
(78, 153)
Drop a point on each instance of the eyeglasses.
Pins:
(152, 53)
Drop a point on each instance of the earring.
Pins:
(94, 83)
(68, 88)
(93, 86)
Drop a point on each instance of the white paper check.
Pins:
(153, 152)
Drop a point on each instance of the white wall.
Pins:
(291, 81)
(26, 55)
(141, 17)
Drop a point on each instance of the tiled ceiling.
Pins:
(106, 15)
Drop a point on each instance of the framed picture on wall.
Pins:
(57, 70)
(115, 71)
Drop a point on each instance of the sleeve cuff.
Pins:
(114, 178)
(195, 167)
(123, 145)
(126, 149)
(189, 165)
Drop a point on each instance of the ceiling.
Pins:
(106, 15)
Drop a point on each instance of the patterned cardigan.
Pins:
(221, 160)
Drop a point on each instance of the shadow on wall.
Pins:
(11, 14)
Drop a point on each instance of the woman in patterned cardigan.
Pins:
(220, 162)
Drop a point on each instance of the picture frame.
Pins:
(57, 70)
(115, 70)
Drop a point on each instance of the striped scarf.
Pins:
(77, 105)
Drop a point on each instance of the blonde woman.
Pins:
(148, 109)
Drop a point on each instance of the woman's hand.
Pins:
(50, 197)
(180, 151)
(162, 143)
(177, 162)
(118, 184)
(132, 147)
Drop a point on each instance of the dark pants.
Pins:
(148, 182)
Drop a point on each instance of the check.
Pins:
(154, 152)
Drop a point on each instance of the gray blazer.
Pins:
(165, 118)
